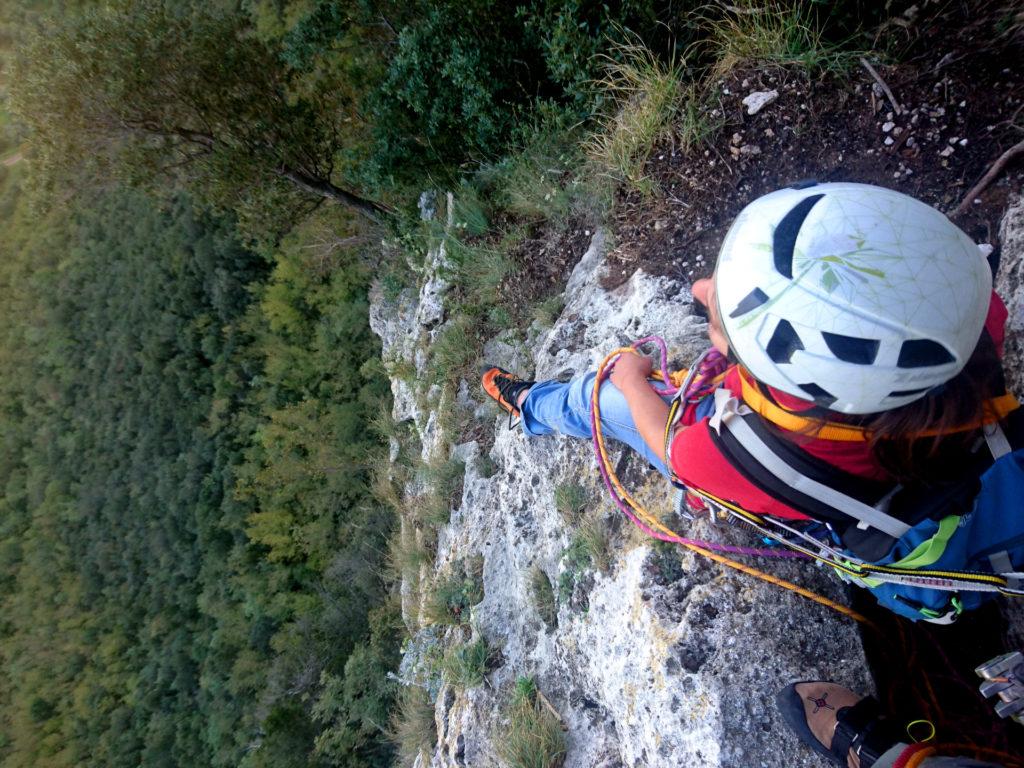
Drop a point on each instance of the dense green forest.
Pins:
(193, 567)
(187, 540)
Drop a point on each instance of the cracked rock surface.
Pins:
(665, 658)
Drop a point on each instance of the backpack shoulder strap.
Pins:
(740, 430)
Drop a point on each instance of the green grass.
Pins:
(413, 730)
(646, 95)
(480, 271)
(547, 311)
(442, 478)
(591, 540)
(534, 736)
(465, 665)
(781, 32)
(571, 500)
(542, 594)
(451, 598)
(453, 351)
(401, 369)
(540, 179)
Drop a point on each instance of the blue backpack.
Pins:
(926, 554)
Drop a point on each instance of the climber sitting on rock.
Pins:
(854, 372)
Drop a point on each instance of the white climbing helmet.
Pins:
(856, 297)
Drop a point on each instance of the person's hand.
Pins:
(629, 369)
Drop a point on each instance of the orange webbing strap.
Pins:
(995, 410)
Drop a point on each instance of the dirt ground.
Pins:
(961, 99)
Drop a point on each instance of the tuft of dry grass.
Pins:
(543, 595)
(646, 94)
(451, 599)
(413, 730)
(534, 738)
(571, 501)
(465, 665)
(781, 32)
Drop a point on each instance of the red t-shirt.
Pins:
(700, 465)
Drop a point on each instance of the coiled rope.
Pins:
(653, 527)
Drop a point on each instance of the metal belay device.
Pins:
(1004, 677)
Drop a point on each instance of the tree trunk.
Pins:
(368, 208)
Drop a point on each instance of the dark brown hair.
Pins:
(948, 413)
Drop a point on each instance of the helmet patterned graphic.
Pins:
(859, 298)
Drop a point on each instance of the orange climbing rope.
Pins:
(650, 524)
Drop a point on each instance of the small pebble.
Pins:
(946, 152)
(886, 127)
(888, 141)
(962, 142)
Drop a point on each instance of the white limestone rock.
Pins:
(650, 664)
(758, 100)
(1010, 286)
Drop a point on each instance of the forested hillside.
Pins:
(186, 537)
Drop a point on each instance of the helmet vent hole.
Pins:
(908, 392)
(783, 343)
(818, 395)
(784, 236)
(852, 349)
(752, 300)
(923, 353)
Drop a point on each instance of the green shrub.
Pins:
(534, 736)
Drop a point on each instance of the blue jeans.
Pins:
(553, 407)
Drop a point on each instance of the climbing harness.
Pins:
(653, 527)
(911, 571)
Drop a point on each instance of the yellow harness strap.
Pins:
(996, 409)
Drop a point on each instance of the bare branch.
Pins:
(988, 178)
(882, 84)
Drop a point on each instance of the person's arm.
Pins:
(648, 410)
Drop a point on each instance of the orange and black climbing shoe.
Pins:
(504, 388)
